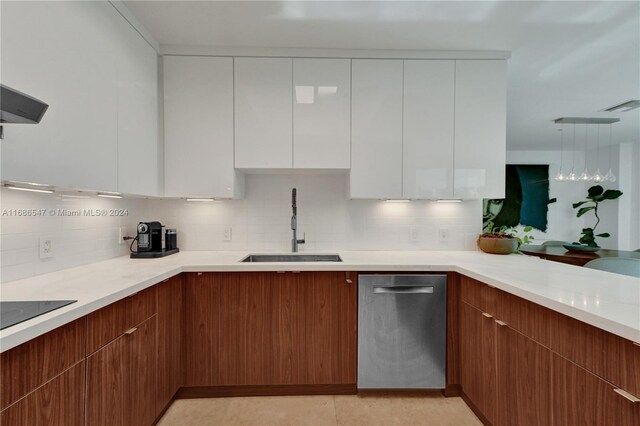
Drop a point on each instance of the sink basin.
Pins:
(292, 258)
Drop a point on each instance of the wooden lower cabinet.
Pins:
(270, 329)
(478, 359)
(523, 379)
(582, 398)
(59, 402)
(170, 321)
(121, 379)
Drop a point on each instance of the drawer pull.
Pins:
(131, 331)
(349, 281)
(199, 273)
(627, 395)
(501, 323)
(487, 315)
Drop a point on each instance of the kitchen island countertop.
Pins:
(602, 299)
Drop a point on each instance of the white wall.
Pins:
(76, 240)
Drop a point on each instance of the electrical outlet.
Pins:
(443, 235)
(226, 234)
(46, 247)
(122, 234)
(414, 235)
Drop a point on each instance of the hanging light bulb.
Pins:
(572, 174)
(585, 177)
(597, 176)
(560, 176)
(610, 176)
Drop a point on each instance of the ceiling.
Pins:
(568, 58)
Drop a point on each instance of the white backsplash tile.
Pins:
(259, 222)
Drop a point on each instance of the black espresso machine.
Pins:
(150, 241)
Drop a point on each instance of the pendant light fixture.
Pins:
(572, 175)
(610, 176)
(560, 176)
(585, 177)
(597, 176)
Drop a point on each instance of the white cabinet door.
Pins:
(480, 129)
(58, 52)
(321, 113)
(263, 113)
(198, 127)
(376, 129)
(428, 129)
(139, 170)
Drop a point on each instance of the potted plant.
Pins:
(595, 195)
(503, 239)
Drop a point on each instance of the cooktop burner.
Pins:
(12, 313)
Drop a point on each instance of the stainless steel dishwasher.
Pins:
(402, 322)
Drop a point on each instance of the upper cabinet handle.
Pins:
(487, 315)
(501, 323)
(131, 331)
(627, 395)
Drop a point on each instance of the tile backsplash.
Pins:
(259, 222)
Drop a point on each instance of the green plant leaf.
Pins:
(611, 194)
(527, 228)
(576, 205)
(583, 210)
(604, 235)
(595, 191)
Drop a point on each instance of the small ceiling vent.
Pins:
(625, 106)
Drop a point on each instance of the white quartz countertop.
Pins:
(602, 299)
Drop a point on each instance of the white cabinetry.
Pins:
(263, 96)
(139, 171)
(376, 128)
(198, 133)
(428, 129)
(321, 113)
(99, 78)
(480, 136)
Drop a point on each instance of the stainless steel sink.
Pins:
(292, 258)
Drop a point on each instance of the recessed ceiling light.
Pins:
(624, 106)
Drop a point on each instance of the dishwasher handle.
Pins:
(404, 289)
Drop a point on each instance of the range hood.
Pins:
(17, 107)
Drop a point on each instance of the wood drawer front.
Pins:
(580, 397)
(106, 324)
(33, 363)
(58, 402)
(478, 294)
(528, 318)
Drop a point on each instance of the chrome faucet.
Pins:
(294, 224)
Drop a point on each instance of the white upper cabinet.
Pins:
(480, 135)
(428, 129)
(198, 132)
(376, 128)
(59, 53)
(321, 113)
(139, 170)
(99, 78)
(263, 93)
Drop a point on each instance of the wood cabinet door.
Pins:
(478, 359)
(140, 394)
(524, 380)
(108, 384)
(582, 398)
(169, 340)
(58, 402)
(201, 328)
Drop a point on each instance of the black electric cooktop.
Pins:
(12, 313)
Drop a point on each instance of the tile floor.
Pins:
(369, 410)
